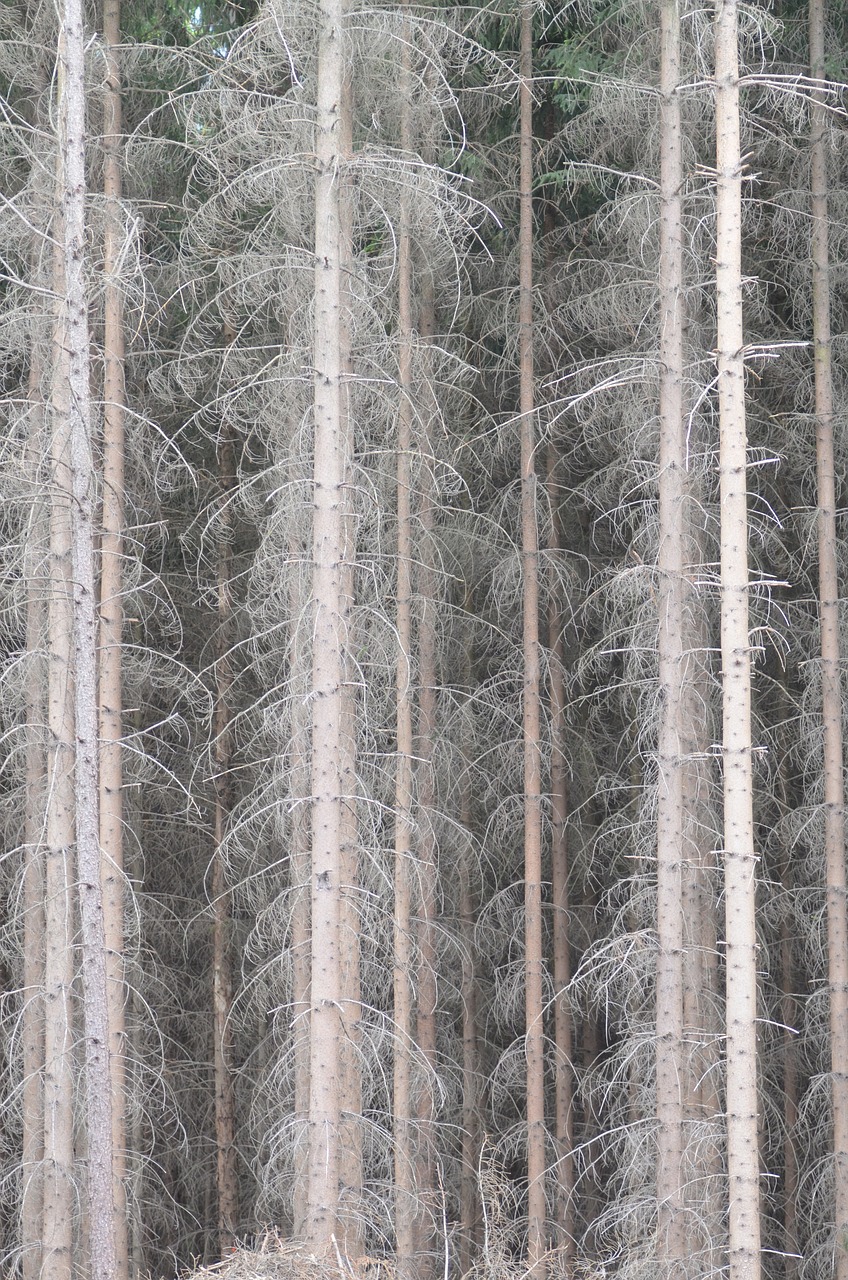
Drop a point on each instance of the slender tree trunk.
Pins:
(73, 367)
(470, 1208)
(739, 856)
(222, 976)
(834, 794)
(533, 959)
(673, 733)
(328, 648)
(789, 1016)
(32, 1018)
(111, 625)
(404, 1128)
(563, 1024)
(426, 1027)
(299, 863)
(58, 1182)
(351, 1172)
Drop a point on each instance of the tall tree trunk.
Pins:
(470, 1207)
(222, 975)
(404, 1129)
(533, 959)
(72, 418)
(563, 1022)
(351, 1171)
(111, 624)
(673, 732)
(58, 1182)
(834, 793)
(328, 649)
(32, 1018)
(426, 1027)
(739, 857)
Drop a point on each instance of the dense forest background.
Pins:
(423, 610)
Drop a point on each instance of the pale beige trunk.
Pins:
(533, 958)
(834, 792)
(404, 1128)
(790, 1019)
(470, 1207)
(299, 880)
(563, 1020)
(352, 1226)
(111, 622)
(74, 365)
(673, 733)
(222, 974)
(426, 1026)
(739, 856)
(58, 1184)
(328, 647)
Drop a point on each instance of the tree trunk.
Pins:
(73, 366)
(470, 1207)
(404, 1129)
(834, 795)
(563, 1025)
(673, 734)
(328, 649)
(111, 624)
(739, 857)
(352, 1133)
(32, 1018)
(222, 976)
(426, 1028)
(58, 1182)
(533, 959)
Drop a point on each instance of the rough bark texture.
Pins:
(58, 1193)
(32, 1017)
(533, 958)
(111, 622)
(95, 1001)
(328, 647)
(563, 1018)
(739, 857)
(426, 1024)
(834, 792)
(673, 733)
(222, 976)
(470, 1207)
(404, 1129)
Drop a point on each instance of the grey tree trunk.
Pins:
(111, 623)
(533, 955)
(834, 789)
(404, 1128)
(673, 732)
(222, 976)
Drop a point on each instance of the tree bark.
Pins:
(74, 365)
(533, 958)
(740, 860)
(563, 1021)
(328, 648)
(470, 1207)
(222, 975)
(426, 1025)
(404, 1128)
(111, 624)
(674, 734)
(834, 793)
(32, 1018)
